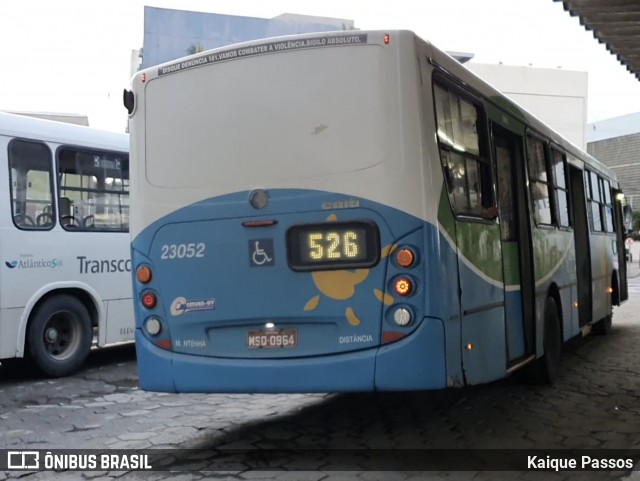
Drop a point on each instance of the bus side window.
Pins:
(94, 189)
(595, 201)
(609, 226)
(65, 207)
(30, 184)
(464, 161)
(560, 185)
(540, 180)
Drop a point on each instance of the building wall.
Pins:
(622, 154)
(557, 97)
(614, 127)
(171, 34)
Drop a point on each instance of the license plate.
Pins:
(272, 339)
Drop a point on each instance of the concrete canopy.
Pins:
(616, 23)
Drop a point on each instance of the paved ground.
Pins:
(594, 404)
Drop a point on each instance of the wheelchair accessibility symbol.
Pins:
(261, 252)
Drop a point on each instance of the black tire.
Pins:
(603, 326)
(60, 335)
(545, 369)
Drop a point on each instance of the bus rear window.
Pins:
(308, 115)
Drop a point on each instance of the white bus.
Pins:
(65, 281)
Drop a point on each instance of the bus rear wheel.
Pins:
(603, 326)
(545, 369)
(60, 335)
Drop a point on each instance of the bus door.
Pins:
(620, 226)
(515, 235)
(581, 239)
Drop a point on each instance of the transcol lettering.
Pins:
(103, 266)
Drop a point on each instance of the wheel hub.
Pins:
(51, 335)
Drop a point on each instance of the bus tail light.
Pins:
(149, 300)
(143, 274)
(391, 336)
(405, 257)
(402, 316)
(163, 344)
(153, 326)
(403, 286)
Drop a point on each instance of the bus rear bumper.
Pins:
(413, 363)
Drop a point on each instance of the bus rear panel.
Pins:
(253, 300)
(278, 272)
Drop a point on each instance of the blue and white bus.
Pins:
(356, 212)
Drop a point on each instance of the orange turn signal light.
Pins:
(405, 257)
(143, 274)
(403, 286)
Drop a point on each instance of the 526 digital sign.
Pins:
(333, 245)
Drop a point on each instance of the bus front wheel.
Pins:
(60, 335)
(545, 369)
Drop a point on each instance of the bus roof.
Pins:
(60, 132)
(437, 57)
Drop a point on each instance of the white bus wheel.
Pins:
(60, 335)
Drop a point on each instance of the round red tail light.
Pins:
(149, 300)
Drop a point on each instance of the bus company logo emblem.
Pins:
(341, 204)
(181, 305)
(29, 263)
(23, 460)
(261, 252)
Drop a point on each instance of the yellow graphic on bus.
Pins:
(341, 285)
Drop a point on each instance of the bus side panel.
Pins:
(8, 323)
(600, 275)
(118, 326)
(9, 330)
(568, 298)
(155, 366)
(482, 303)
(612, 257)
(423, 351)
(555, 270)
(484, 354)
